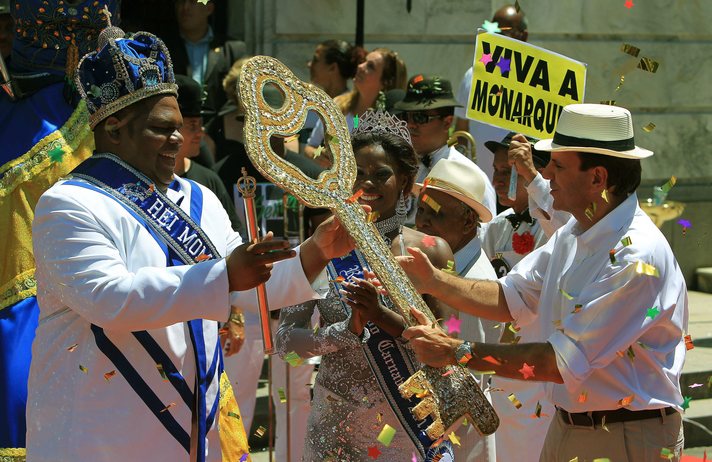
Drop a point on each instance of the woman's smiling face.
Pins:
(377, 175)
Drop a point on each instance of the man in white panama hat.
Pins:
(451, 206)
(605, 292)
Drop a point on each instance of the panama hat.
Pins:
(461, 180)
(595, 128)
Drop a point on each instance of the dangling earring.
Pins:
(381, 101)
(402, 207)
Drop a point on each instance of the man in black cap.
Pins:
(428, 108)
(190, 103)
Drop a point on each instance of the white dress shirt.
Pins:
(591, 310)
(98, 265)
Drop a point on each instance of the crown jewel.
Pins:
(382, 122)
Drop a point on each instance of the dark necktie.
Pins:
(516, 219)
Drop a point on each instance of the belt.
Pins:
(593, 418)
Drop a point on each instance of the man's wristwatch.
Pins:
(237, 318)
(463, 353)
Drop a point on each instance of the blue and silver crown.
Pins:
(125, 70)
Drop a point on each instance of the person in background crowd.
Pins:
(428, 108)
(512, 23)
(382, 70)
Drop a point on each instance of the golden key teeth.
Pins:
(416, 384)
(424, 408)
(435, 430)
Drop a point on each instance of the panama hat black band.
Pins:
(617, 145)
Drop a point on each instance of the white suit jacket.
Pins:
(98, 265)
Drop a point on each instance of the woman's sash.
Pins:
(390, 362)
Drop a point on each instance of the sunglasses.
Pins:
(419, 118)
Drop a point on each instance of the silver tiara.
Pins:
(382, 122)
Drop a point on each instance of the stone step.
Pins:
(697, 421)
(703, 277)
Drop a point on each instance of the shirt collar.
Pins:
(606, 232)
(205, 41)
(467, 255)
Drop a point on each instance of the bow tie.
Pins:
(516, 219)
(425, 160)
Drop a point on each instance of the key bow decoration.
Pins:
(448, 394)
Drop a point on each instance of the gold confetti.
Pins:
(379, 417)
(372, 217)
(626, 401)
(649, 128)
(577, 308)
(537, 411)
(630, 353)
(647, 269)
(162, 372)
(604, 195)
(233, 415)
(455, 440)
(648, 65)
(450, 268)
(167, 407)
(603, 424)
(512, 328)
(608, 102)
(317, 152)
(513, 398)
(109, 375)
(626, 241)
(575, 459)
(669, 184)
(517, 7)
(516, 340)
(432, 203)
(565, 294)
(602, 459)
(386, 435)
(72, 347)
(591, 211)
(612, 256)
(260, 432)
(630, 50)
(83, 369)
(282, 395)
(620, 82)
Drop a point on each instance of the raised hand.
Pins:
(251, 263)
(432, 346)
(418, 268)
(520, 156)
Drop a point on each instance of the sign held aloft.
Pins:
(522, 87)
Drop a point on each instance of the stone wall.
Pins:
(437, 36)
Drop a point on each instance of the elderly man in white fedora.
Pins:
(451, 206)
(605, 292)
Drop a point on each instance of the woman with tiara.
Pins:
(383, 70)
(349, 408)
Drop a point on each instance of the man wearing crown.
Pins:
(605, 292)
(135, 267)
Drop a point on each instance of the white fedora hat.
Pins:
(596, 128)
(461, 180)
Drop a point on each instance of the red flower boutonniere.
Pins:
(523, 243)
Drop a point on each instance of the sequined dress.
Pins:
(348, 408)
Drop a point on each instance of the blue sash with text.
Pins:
(390, 362)
(184, 243)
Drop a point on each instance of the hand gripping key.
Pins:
(450, 393)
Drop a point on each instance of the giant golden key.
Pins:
(447, 394)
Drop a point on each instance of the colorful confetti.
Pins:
(665, 453)
(162, 372)
(355, 121)
(486, 59)
(202, 257)
(628, 4)
(260, 432)
(491, 27)
(612, 256)
(688, 342)
(233, 415)
(243, 458)
(428, 241)
(513, 398)
(630, 50)
(583, 396)
(685, 402)
(453, 325)
(317, 152)
(626, 401)
(608, 102)
(450, 268)
(167, 407)
(527, 371)
(630, 353)
(537, 411)
(685, 224)
(373, 452)
(386, 435)
(503, 65)
(626, 241)
(648, 65)
(652, 312)
(649, 128)
(647, 269)
(293, 359)
(455, 440)
(432, 203)
(354, 197)
(109, 375)
(72, 347)
(282, 395)
(695, 385)
(492, 360)
(56, 154)
(577, 308)
(448, 372)
(566, 294)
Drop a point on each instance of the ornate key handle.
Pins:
(447, 399)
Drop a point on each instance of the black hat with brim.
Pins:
(427, 92)
(540, 158)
